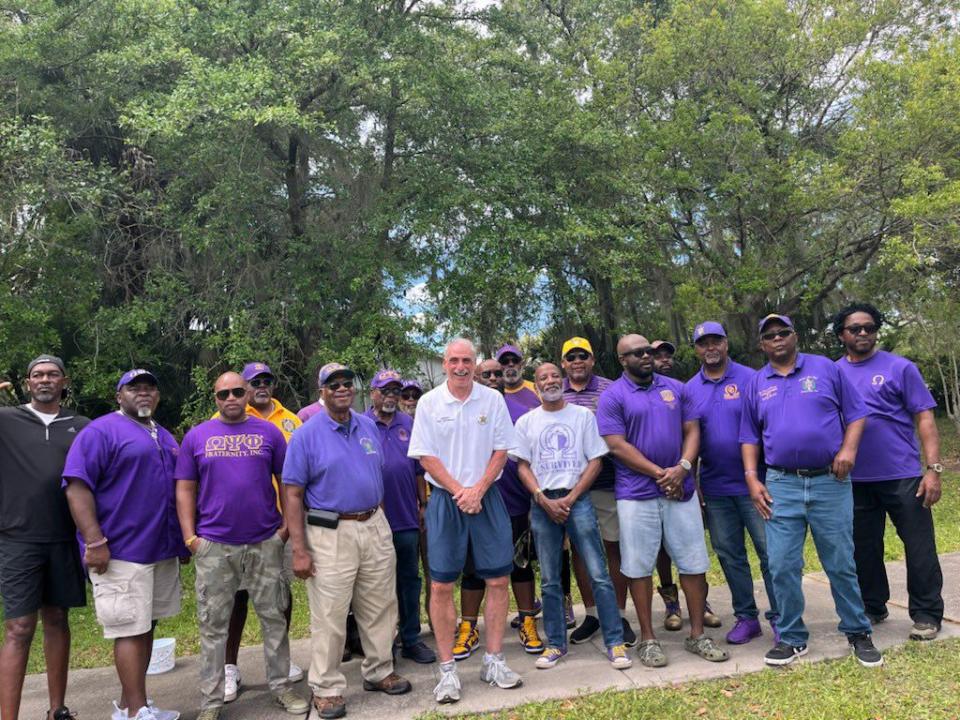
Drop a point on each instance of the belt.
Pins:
(360, 516)
(803, 472)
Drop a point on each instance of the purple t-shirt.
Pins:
(588, 397)
(799, 419)
(339, 468)
(400, 500)
(894, 392)
(310, 410)
(129, 469)
(234, 465)
(524, 396)
(515, 495)
(719, 404)
(651, 419)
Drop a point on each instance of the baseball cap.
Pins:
(251, 370)
(708, 328)
(576, 343)
(331, 369)
(41, 359)
(412, 385)
(508, 350)
(136, 375)
(385, 377)
(657, 344)
(773, 316)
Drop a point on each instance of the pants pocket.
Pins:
(114, 604)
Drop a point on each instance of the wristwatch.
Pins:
(686, 464)
(936, 467)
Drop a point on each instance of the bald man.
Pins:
(652, 428)
(228, 513)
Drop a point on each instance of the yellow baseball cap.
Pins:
(576, 343)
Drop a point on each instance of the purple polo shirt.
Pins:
(515, 495)
(651, 419)
(131, 476)
(894, 392)
(310, 410)
(524, 396)
(339, 468)
(400, 500)
(234, 465)
(719, 404)
(588, 397)
(799, 419)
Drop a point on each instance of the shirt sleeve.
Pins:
(422, 441)
(86, 458)
(186, 468)
(522, 451)
(610, 414)
(504, 434)
(593, 445)
(852, 406)
(750, 430)
(279, 450)
(916, 394)
(296, 466)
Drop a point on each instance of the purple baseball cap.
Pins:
(773, 316)
(251, 370)
(709, 327)
(135, 375)
(386, 377)
(331, 369)
(508, 350)
(412, 385)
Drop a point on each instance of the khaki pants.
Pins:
(221, 570)
(355, 565)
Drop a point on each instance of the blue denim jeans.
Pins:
(582, 529)
(727, 520)
(825, 505)
(407, 545)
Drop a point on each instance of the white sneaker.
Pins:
(494, 670)
(145, 713)
(159, 714)
(231, 682)
(296, 673)
(118, 712)
(448, 688)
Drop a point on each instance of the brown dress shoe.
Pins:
(330, 707)
(392, 684)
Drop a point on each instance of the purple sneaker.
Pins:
(745, 630)
(776, 630)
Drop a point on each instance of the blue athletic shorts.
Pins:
(449, 533)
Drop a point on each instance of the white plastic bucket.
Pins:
(163, 657)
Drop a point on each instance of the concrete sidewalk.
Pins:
(584, 670)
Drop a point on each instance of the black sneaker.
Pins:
(862, 647)
(629, 636)
(784, 654)
(585, 630)
(876, 619)
(419, 653)
(63, 713)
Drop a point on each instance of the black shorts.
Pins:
(34, 575)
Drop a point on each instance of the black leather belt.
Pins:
(803, 472)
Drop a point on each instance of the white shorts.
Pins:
(678, 525)
(605, 505)
(129, 596)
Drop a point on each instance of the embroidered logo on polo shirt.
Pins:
(403, 434)
(768, 392)
(667, 396)
(877, 380)
(731, 392)
(288, 425)
(367, 445)
(482, 419)
(808, 384)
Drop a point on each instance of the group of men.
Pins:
(485, 472)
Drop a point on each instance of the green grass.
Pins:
(918, 681)
(91, 650)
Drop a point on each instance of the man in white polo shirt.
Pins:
(461, 435)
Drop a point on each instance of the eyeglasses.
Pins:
(785, 333)
(639, 352)
(334, 386)
(390, 391)
(509, 360)
(868, 329)
(574, 356)
(487, 374)
(261, 382)
(237, 392)
(410, 395)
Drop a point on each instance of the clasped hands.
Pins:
(469, 500)
(670, 480)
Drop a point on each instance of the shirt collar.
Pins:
(334, 425)
(275, 408)
(726, 374)
(591, 385)
(636, 387)
(450, 399)
(768, 370)
(370, 413)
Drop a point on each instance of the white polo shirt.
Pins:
(463, 435)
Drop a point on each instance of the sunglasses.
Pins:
(509, 360)
(574, 356)
(261, 382)
(639, 352)
(334, 386)
(390, 391)
(237, 392)
(410, 395)
(487, 374)
(868, 329)
(785, 333)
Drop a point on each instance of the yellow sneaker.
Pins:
(468, 640)
(528, 636)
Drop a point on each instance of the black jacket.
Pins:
(33, 507)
